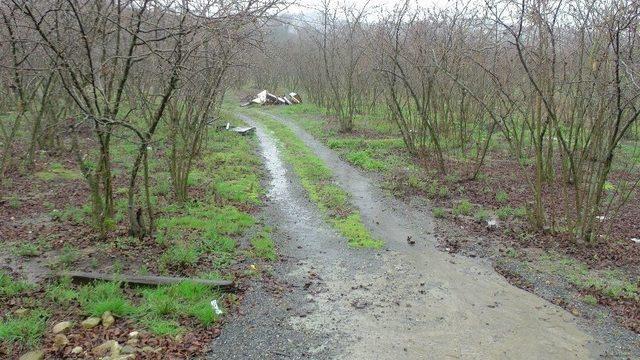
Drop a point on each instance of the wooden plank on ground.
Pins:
(82, 276)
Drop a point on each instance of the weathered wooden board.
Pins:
(143, 280)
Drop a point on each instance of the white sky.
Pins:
(305, 6)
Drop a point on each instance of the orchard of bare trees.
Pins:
(337, 165)
(555, 82)
(100, 69)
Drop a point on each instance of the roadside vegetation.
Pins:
(216, 235)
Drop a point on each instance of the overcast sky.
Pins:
(308, 5)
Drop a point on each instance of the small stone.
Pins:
(134, 335)
(33, 355)
(359, 304)
(62, 327)
(104, 348)
(410, 241)
(492, 224)
(21, 312)
(91, 322)
(132, 341)
(147, 349)
(77, 350)
(60, 341)
(115, 349)
(107, 319)
(128, 349)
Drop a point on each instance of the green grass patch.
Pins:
(74, 214)
(628, 155)
(378, 150)
(162, 183)
(590, 300)
(363, 159)
(520, 212)
(162, 307)
(162, 327)
(305, 108)
(463, 207)
(68, 255)
(609, 283)
(226, 220)
(482, 215)
(356, 233)
(263, 246)
(204, 229)
(346, 143)
(27, 249)
(333, 198)
(62, 292)
(504, 213)
(216, 243)
(368, 154)
(375, 120)
(14, 202)
(240, 191)
(502, 196)
(352, 143)
(10, 287)
(26, 330)
(196, 177)
(180, 256)
(438, 212)
(57, 171)
(100, 297)
(235, 168)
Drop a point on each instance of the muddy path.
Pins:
(326, 300)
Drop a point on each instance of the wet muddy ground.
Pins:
(326, 300)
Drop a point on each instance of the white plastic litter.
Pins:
(216, 308)
(635, 240)
(261, 98)
(266, 98)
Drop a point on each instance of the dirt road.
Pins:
(413, 302)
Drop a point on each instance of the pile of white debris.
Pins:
(266, 98)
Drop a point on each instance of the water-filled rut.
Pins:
(403, 301)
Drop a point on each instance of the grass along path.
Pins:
(216, 234)
(318, 181)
